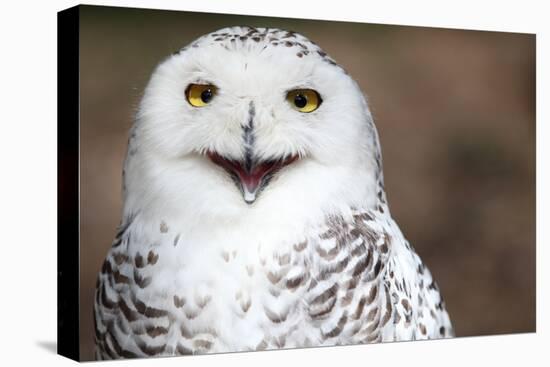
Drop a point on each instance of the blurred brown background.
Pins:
(456, 115)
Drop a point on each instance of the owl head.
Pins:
(251, 120)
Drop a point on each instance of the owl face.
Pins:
(243, 114)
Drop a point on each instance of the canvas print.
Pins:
(238, 163)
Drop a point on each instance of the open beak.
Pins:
(250, 176)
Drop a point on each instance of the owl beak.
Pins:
(251, 176)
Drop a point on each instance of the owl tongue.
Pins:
(252, 176)
(251, 179)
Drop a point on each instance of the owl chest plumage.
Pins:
(340, 284)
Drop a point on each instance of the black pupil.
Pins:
(206, 95)
(300, 101)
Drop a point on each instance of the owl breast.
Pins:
(338, 285)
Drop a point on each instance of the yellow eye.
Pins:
(304, 100)
(199, 95)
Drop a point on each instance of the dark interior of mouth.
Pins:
(252, 177)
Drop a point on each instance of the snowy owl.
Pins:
(254, 211)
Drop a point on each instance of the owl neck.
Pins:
(289, 206)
